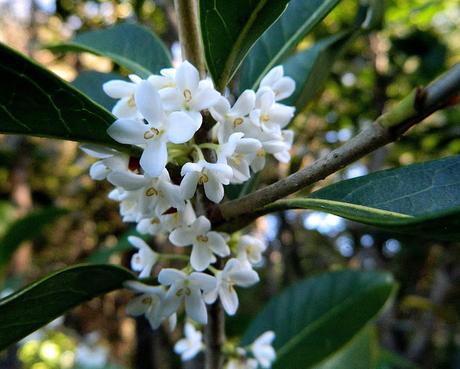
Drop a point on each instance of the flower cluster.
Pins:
(190, 138)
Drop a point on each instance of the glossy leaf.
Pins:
(39, 103)
(90, 83)
(282, 37)
(311, 68)
(129, 45)
(317, 317)
(36, 305)
(360, 353)
(230, 28)
(420, 199)
(26, 228)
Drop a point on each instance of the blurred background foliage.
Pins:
(418, 39)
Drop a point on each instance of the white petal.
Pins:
(155, 157)
(272, 76)
(128, 180)
(96, 151)
(204, 98)
(201, 225)
(187, 77)
(205, 282)
(191, 167)
(217, 244)
(124, 109)
(149, 103)
(181, 127)
(284, 88)
(182, 237)
(171, 99)
(117, 89)
(195, 307)
(220, 109)
(214, 190)
(229, 299)
(99, 171)
(245, 103)
(169, 276)
(137, 242)
(171, 302)
(127, 131)
(189, 183)
(201, 257)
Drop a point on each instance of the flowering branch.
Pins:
(418, 105)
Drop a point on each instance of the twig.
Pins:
(419, 104)
(189, 33)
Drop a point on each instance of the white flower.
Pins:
(213, 176)
(235, 273)
(233, 118)
(269, 115)
(148, 303)
(144, 260)
(111, 160)
(238, 153)
(205, 242)
(157, 194)
(191, 345)
(189, 93)
(250, 249)
(155, 131)
(187, 288)
(119, 89)
(263, 350)
(282, 86)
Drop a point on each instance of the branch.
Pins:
(189, 33)
(415, 107)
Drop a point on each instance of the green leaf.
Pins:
(90, 83)
(282, 37)
(230, 28)
(420, 199)
(311, 68)
(26, 228)
(38, 103)
(360, 353)
(129, 45)
(315, 318)
(36, 305)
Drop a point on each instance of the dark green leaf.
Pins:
(230, 28)
(311, 68)
(129, 45)
(419, 199)
(36, 305)
(315, 318)
(26, 228)
(38, 103)
(281, 38)
(90, 83)
(360, 353)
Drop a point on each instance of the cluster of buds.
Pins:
(163, 116)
